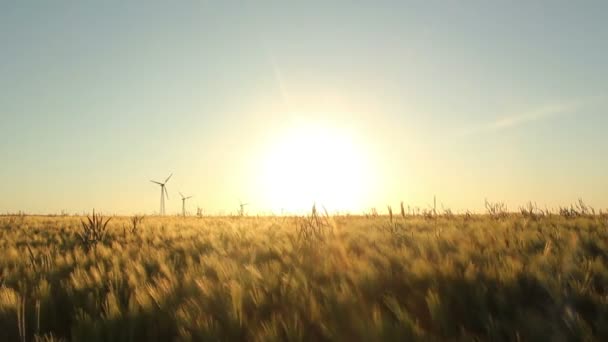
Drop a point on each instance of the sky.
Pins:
(391, 101)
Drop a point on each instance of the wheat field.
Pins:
(467, 277)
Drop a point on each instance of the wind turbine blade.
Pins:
(166, 180)
(166, 193)
(181, 194)
(188, 197)
(156, 182)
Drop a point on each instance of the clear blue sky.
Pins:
(466, 100)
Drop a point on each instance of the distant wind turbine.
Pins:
(163, 193)
(184, 203)
(242, 208)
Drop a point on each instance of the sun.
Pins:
(315, 164)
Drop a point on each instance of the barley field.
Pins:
(490, 277)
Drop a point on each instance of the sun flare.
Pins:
(316, 164)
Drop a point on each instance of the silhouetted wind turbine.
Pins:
(184, 203)
(163, 193)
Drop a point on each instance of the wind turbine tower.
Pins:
(242, 208)
(163, 193)
(184, 203)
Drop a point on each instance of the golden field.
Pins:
(505, 277)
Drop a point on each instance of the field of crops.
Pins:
(315, 278)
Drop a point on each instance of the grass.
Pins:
(318, 278)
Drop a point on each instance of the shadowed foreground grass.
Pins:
(291, 279)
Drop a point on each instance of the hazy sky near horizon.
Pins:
(464, 100)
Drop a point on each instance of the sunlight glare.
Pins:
(315, 164)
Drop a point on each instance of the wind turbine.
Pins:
(184, 203)
(163, 193)
(242, 208)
